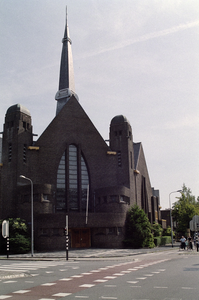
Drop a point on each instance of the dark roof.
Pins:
(17, 107)
(118, 119)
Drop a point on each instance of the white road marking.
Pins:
(21, 292)
(126, 272)
(87, 285)
(46, 299)
(132, 281)
(48, 284)
(4, 297)
(66, 279)
(62, 294)
(49, 272)
(100, 280)
(160, 287)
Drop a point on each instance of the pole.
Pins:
(32, 219)
(8, 246)
(67, 238)
(32, 225)
(87, 204)
(171, 220)
(179, 191)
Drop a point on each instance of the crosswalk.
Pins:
(28, 266)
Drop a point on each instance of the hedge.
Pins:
(160, 241)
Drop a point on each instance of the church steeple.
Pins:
(66, 79)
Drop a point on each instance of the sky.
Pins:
(131, 57)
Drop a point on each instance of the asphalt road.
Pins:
(167, 275)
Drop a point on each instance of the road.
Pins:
(168, 275)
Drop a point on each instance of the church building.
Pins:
(74, 172)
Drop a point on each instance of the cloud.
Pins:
(144, 38)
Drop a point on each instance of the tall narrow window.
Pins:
(10, 152)
(73, 178)
(84, 183)
(72, 181)
(119, 158)
(24, 152)
(61, 185)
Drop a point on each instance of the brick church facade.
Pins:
(73, 171)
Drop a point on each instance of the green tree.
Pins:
(18, 237)
(138, 229)
(157, 229)
(184, 209)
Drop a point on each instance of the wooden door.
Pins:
(80, 238)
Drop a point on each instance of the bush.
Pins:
(138, 229)
(19, 241)
(157, 241)
(157, 229)
(166, 240)
(167, 232)
(161, 241)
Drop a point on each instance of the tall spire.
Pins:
(66, 78)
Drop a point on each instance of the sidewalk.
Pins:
(91, 253)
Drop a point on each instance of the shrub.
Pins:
(157, 229)
(157, 241)
(138, 229)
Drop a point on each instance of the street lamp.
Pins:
(32, 227)
(178, 191)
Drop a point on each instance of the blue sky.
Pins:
(131, 57)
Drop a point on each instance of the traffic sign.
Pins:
(5, 229)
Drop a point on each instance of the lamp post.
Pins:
(32, 227)
(178, 191)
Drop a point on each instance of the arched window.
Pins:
(72, 181)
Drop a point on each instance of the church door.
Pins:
(80, 238)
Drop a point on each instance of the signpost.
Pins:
(5, 234)
(194, 226)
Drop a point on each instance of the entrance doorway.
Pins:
(80, 238)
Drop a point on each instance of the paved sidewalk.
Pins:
(91, 253)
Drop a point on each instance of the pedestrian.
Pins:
(190, 245)
(183, 240)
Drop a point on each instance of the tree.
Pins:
(157, 230)
(138, 229)
(184, 209)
